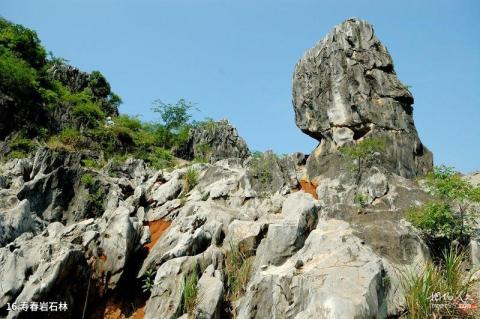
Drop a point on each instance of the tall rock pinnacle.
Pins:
(345, 89)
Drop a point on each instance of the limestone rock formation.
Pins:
(345, 89)
(213, 141)
(126, 238)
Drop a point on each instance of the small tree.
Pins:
(363, 152)
(455, 192)
(174, 116)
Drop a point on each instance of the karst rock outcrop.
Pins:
(345, 89)
(214, 140)
(253, 236)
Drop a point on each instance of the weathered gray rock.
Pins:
(345, 89)
(246, 235)
(340, 278)
(118, 237)
(16, 221)
(285, 237)
(210, 295)
(44, 267)
(166, 295)
(213, 141)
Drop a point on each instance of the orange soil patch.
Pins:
(139, 313)
(157, 228)
(113, 311)
(309, 187)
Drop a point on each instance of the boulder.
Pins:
(345, 89)
(337, 277)
(210, 295)
(287, 235)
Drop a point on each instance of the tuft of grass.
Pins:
(91, 163)
(87, 180)
(237, 270)
(190, 180)
(190, 292)
(436, 291)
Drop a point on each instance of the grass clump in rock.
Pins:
(237, 271)
(189, 180)
(190, 292)
(441, 291)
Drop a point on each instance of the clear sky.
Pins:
(235, 59)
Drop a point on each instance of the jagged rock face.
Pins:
(345, 89)
(70, 76)
(214, 141)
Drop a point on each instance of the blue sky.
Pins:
(235, 59)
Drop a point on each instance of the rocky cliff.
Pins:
(240, 236)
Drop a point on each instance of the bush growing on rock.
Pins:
(452, 215)
(362, 153)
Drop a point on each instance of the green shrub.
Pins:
(190, 292)
(87, 180)
(130, 122)
(88, 114)
(362, 152)
(17, 77)
(452, 215)
(361, 200)
(98, 84)
(436, 219)
(23, 42)
(21, 147)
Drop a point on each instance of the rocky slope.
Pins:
(304, 247)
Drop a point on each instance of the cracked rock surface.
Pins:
(344, 89)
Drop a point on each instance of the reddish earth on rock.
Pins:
(309, 187)
(157, 228)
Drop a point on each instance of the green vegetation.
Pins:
(363, 153)
(20, 147)
(438, 291)
(203, 152)
(94, 164)
(189, 180)
(148, 280)
(87, 180)
(361, 200)
(190, 292)
(451, 215)
(261, 166)
(75, 118)
(237, 270)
